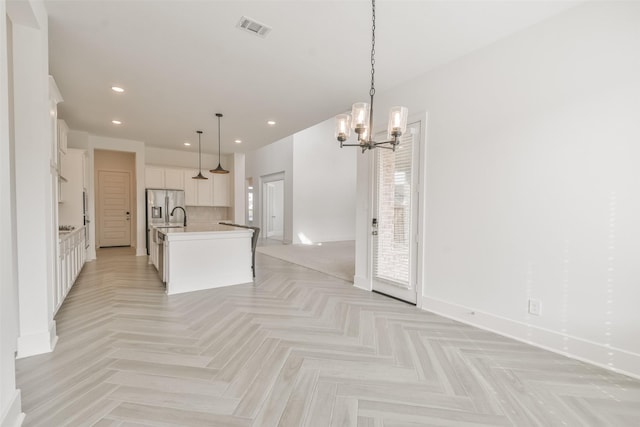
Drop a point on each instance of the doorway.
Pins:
(395, 218)
(249, 215)
(273, 193)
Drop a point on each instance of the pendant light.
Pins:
(361, 118)
(199, 176)
(219, 169)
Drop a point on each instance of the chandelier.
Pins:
(361, 117)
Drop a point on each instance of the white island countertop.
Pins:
(206, 256)
(207, 231)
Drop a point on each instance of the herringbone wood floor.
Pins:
(297, 348)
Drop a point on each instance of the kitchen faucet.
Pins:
(185, 213)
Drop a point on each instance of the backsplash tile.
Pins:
(206, 214)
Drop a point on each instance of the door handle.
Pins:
(374, 233)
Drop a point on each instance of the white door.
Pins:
(394, 225)
(115, 210)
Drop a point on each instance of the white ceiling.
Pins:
(182, 61)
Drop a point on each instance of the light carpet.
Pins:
(337, 259)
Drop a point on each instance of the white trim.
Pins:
(418, 274)
(265, 179)
(626, 362)
(33, 344)
(13, 415)
(421, 255)
(362, 282)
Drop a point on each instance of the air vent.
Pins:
(253, 27)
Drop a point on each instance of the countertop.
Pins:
(211, 230)
(65, 234)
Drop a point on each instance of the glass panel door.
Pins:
(395, 211)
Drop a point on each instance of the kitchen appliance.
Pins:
(85, 216)
(160, 241)
(160, 203)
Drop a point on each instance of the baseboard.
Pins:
(141, 251)
(44, 342)
(610, 358)
(362, 282)
(12, 415)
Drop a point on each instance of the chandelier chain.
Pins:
(372, 91)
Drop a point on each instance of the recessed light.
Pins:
(271, 123)
(117, 89)
(187, 144)
(238, 141)
(116, 122)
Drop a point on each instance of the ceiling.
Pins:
(180, 62)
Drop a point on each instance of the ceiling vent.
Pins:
(253, 27)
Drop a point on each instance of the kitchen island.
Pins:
(200, 257)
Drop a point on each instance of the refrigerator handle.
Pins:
(166, 209)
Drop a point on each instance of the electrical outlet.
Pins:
(535, 307)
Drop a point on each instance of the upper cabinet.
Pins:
(63, 133)
(153, 177)
(221, 193)
(197, 192)
(159, 177)
(73, 165)
(214, 191)
(174, 179)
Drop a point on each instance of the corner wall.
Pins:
(10, 399)
(272, 159)
(324, 186)
(532, 184)
(35, 178)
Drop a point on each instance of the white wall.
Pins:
(36, 204)
(10, 399)
(185, 159)
(239, 191)
(532, 184)
(324, 186)
(319, 184)
(269, 160)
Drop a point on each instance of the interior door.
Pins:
(394, 225)
(114, 208)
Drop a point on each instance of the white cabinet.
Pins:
(197, 192)
(214, 191)
(174, 179)
(205, 191)
(153, 248)
(71, 258)
(221, 193)
(63, 132)
(70, 191)
(154, 177)
(190, 188)
(159, 177)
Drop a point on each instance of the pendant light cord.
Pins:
(199, 153)
(219, 139)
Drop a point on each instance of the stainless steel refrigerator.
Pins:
(160, 203)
